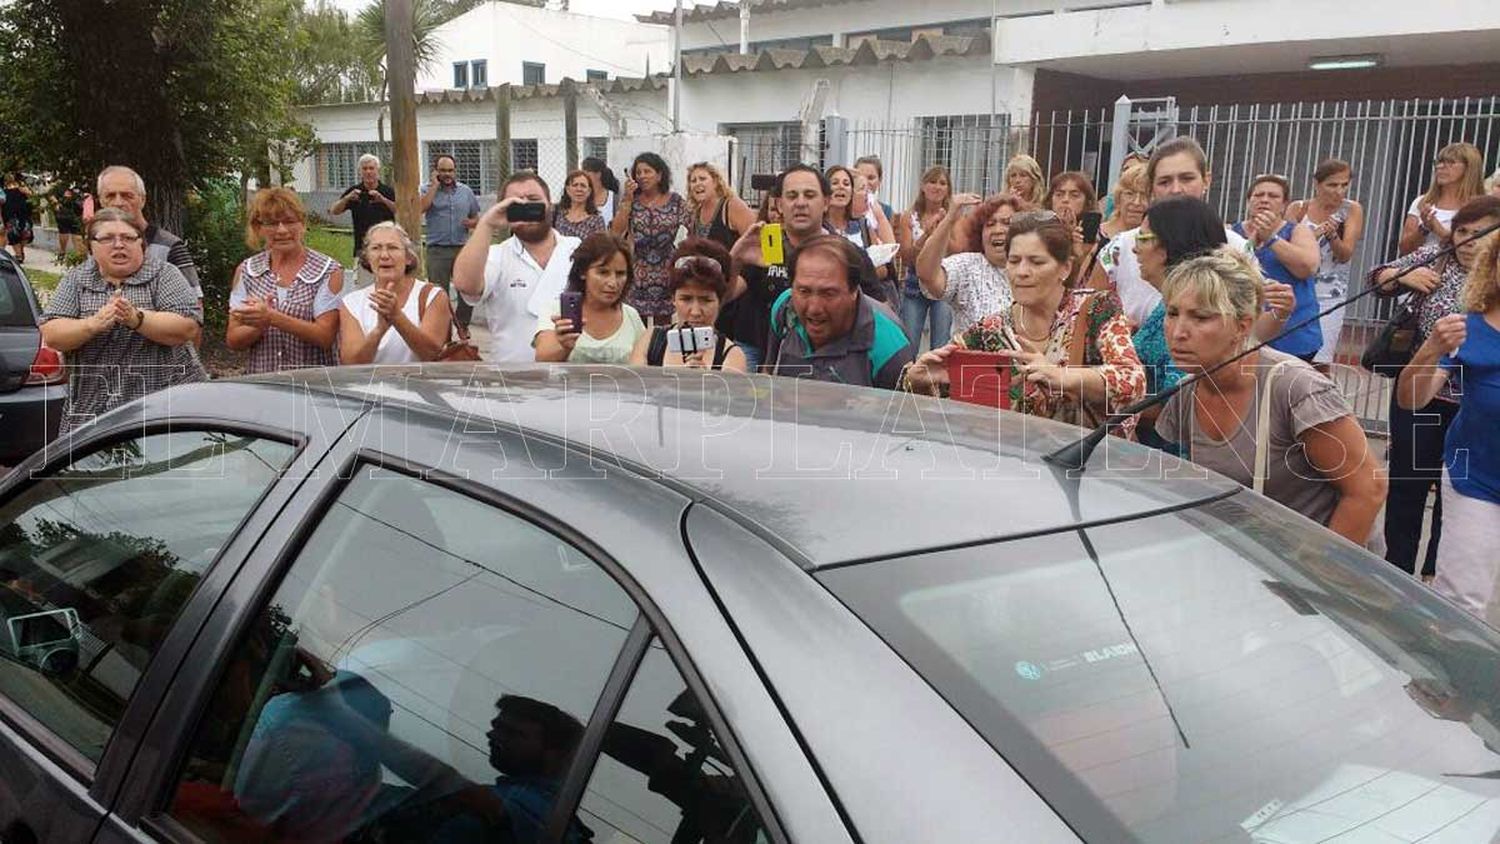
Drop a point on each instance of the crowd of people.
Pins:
(1092, 299)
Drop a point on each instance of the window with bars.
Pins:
(596, 148)
(338, 164)
(524, 154)
(971, 146)
(533, 73)
(475, 159)
(763, 148)
(479, 73)
(595, 76)
(460, 74)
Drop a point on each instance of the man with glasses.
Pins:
(449, 211)
(123, 188)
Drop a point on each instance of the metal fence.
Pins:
(1390, 146)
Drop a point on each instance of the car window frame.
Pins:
(165, 661)
(155, 818)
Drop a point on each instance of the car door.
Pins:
(456, 661)
(108, 558)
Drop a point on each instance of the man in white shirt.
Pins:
(515, 278)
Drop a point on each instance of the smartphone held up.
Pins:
(571, 308)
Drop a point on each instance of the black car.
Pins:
(33, 382)
(457, 603)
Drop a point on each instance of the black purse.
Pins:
(1393, 347)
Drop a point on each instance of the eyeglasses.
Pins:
(271, 224)
(689, 260)
(385, 247)
(116, 239)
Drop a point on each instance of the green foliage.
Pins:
(330, 62)
(427, 16)
(215, 231)
(337, 244)
(181, 90)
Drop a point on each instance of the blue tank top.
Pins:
(1309, 338)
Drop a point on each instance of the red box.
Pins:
(979, 378)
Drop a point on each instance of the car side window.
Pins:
(423, 672)
(663, 775)
(98, 559)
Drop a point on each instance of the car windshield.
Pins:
(1226, 673)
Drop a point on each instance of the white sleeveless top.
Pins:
(392, 348)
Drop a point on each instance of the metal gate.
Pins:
(1389, 144)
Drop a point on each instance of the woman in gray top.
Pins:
(126, 322)
(1316, 461)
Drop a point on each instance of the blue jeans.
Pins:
(918, 312)
(754, 356)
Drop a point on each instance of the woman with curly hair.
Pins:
(972, 281)
(1025, 180)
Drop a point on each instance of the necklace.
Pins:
(1018, 317)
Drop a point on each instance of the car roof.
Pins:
(830, 474)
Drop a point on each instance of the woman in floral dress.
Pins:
(1055, 372)
(650, 217)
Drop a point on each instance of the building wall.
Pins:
(505, 35)
(353, 127)
(891, 93)
(852, 17)
(1063, 91)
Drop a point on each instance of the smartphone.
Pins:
(526, 212)
(688, 340)
(572, 307)
(763, 181)
(772, 248)
(1090, 221)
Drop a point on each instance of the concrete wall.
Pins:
(568, 44)
(890, 93)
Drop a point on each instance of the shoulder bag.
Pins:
(453, 351)
(1396, 342)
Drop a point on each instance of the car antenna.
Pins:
(1075, 455)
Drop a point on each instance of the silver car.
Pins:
(459, 603)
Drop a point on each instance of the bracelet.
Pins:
(139, 320)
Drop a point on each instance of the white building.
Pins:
(958, 82)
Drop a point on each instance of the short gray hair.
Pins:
(413, 254)
(115, 169)
(367, 157)
(112, 215)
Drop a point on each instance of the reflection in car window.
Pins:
(97, 560)
(422, 673)
(663, 776)
(1229, 673)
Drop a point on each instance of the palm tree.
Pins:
(369, 28)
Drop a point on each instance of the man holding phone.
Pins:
(368, 202)
(519, 278)
(803, 194)
(449, 211)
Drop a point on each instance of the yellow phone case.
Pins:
(771, 251)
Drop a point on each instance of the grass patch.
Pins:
(337, 244)
(41, 280)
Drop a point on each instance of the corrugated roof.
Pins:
(722, 9)
(619, 85)
(870, 52)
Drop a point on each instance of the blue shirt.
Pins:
(1470, 451)
(1309, 338)
(444, 220)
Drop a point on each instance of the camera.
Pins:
(690, 340)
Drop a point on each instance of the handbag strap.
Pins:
(428, 292)
(1078, 342)
(1263, 428)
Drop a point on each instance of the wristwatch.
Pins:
(140, 320)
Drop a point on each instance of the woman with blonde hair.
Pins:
(1024, 179)
(1316, 459)
(284, 300)
(399, 318)
(1130, 197)
(1457, 177)
(717, 212)
(1468, 568)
